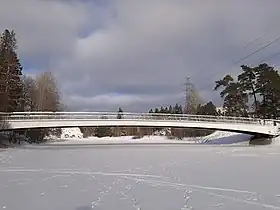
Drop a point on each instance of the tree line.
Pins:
(20, 92)
(206, 109)
(200, 109)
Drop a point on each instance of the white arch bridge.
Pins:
(29, 120)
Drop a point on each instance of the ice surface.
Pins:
(129, 177)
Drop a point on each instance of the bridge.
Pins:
(29, 120)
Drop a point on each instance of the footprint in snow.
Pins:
(64, 186)
(218, 205)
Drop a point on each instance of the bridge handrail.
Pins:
(12, 116)
(125, 113)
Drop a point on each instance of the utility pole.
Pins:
(188, 95)
(191, 97)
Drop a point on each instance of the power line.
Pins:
(272, 56)
(251, 54)
(257, 39)
(253, 41)
(256, 51)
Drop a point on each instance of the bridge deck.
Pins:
(73, 119)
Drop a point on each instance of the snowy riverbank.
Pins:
(74, 136)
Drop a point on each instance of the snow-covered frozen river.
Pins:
(146, 177)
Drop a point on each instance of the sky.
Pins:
(136, 54)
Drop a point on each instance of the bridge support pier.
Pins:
(260, 140)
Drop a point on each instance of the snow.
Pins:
(222, 137)
(276, 141)
(163, 132)
(74, 136)
(140, 177)
(121, 140)
(71, 133)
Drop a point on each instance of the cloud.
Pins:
(128, 102)
(136, 54)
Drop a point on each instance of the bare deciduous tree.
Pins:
(41, 94)
(47, 95)
(29, 91)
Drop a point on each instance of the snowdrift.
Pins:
(276, 141)
(121, 140)
(221, 137)
(67, 133)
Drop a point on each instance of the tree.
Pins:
(262, 83)
(235, 100)
(268, 87)
(170, 109)
(29, 93)
(248, 81)
(3, 126)
(87, 131)
(41, 94)
(207, 109)
(3, 123)
(103, 131)
(47, 95)
(177, 109)
(11, 92)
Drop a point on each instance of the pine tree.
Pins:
(235, 99)
(268, 87)
(207, 109)
(176, 109)
(248, 81)
(170, 110)
(180, 111)
(11, 88)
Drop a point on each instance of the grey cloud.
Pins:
(141, 50)
(129, 103)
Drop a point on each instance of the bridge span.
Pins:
(29, 120)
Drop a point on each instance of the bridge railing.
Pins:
(130, 116)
